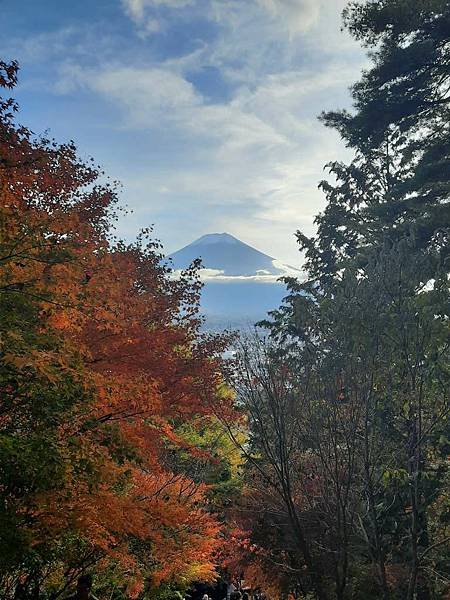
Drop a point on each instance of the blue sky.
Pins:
(204, 109)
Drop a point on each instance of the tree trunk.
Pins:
(377, 547)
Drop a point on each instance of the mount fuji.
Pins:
(241, 284)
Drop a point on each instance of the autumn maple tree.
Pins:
(102, 367)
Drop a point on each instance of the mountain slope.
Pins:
(223, 252)
(240, 283)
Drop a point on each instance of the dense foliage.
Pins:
(103, 370)
(399, 182)
(121, 449)
(346, 476)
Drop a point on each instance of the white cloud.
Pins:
(57, 45)
(297, 15)
(218, 276)
(262, 151)
(136, 8)
(155, 97)
(248, 163)
(140, 11)
(145, 93)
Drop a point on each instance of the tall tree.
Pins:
(102, 362)
(399, 181)
(373, 313)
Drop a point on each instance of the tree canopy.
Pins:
(348, 397)
(398, 183)
(102, 362)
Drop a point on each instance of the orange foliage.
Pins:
(128, 333)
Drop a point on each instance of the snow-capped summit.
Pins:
(241, 283)
(215, 238)
(228, 257)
